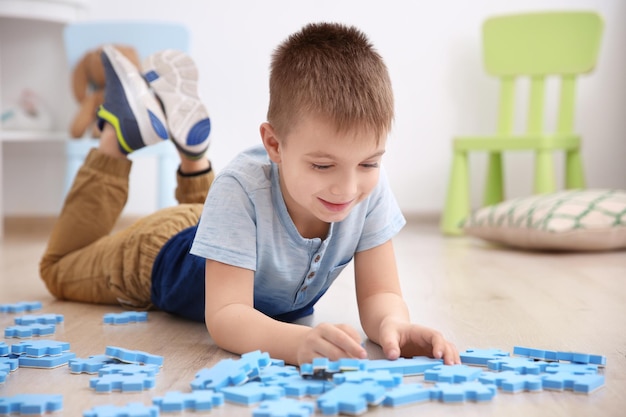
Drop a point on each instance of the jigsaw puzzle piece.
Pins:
(513, 382)
(405, 366)
(40, 348)
(192, 401)
(324, 368)
(574, 368)
(133, 356)
(20, 307)
(129, 369)
(128, 410)
(227, 372)
(39, 319)
(8, 364)
(452, 373)
(586, 383)
(126, 317)
(296, 386)
(29, 330)
(521, 365)
(90, 365)
(284, 408)
(123, 383)
(584, 358)
(406, 394)
(252, 393)
(28, 404)
(3, 375)
(544, 355)
(482, 356)
(461, 392)
(351, 399)
(275, 372)
(4, 349)
(382, 377)
(47, 362)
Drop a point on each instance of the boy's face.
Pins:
(324, 174)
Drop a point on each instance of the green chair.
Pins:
(536, 46)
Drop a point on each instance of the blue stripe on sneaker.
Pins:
(199, 132)
(151, 76)
(158, 127)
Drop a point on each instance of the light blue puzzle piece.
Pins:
(406, 394)
(192, 401)
(351, 398)
(521, 365)
(382, 377)
(586, 383)
(584, 358)
(452, 373)
(274, 372)
(47, 362)
(123, 383)
(29, 330)
(128, 369)
(39, 319)
(3, 376)
(20, 307)
(252, 393)
(126, 317)
(257, 360)
(226, 372)
(574, 368)
(461, 392)
(90, 365)
(8, 364)
(133, 356)
(513, 382)
(39, 348)
(286, 407)
(4, 349)
(128, 410)
(324, 368)
(296, 386)
(545, 355)
(481, 356)
(405, 366)
(30, 404)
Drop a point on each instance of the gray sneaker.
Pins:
(173, 76)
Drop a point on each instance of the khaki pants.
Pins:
(85, 262)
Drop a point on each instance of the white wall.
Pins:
(432, 50)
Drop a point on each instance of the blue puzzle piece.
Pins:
(296, 386)
(513, 382)
(405, 366)
(129, 369)
(133, 356)
(193, 401)
(4, 349)
(521, 365)
(8, 364)
(574, 368)
(351, 398)
(407, 394)
(252, 393)
(452, 373)
(464, 391)
(29, 330)
(90, 365)
(274, 372)
(28, 404)
(3, 376)
(128, 410)
(481, 356)
(583, 358)
(382, 377)
(123, 383)
(126, 317)
(284, 408)
(231, 372)
(545, 355)
(324, 368)
(257, 360)
(39, 348)
(586, 383)
(48, 362)
(20, 307)
(39, 319)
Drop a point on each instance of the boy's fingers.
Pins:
(348, 340)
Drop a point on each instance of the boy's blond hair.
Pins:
(331, 71)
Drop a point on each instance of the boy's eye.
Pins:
(372, 165)
(320, 167)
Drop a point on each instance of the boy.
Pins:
(281, 221)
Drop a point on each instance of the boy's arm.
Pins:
(236, 326)
(383, 311)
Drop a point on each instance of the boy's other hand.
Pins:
(409, 340)
(332, 341)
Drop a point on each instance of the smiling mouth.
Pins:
(334, 206)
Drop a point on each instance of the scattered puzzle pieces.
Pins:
(126, 317)
(90, 365)
(452, 373)
(296, 386)
(133, 356)
(29, 330)
(193, 401)
(574, 368)
(230, 372)
(30, 404)
(284, 408)
(39, 348)
(252, 393)
(461, 392)
(405, 366)
(407, 394)
(586, 383)
(482, 356)
(123, 383)
(521, 365)
(513, 382)
(47, 362)
(128, 410)
(554, 355)
(20, 307)
(382, 377)
(39, 319)
(129, 369)
(351, 398)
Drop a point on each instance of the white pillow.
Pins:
(572, 220)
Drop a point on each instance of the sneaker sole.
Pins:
(173, 76)
(139, 107)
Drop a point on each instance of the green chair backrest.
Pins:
(538, 45)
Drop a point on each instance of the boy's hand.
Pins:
(408, 340)
(332, 341)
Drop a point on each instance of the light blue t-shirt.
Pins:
(245, 223)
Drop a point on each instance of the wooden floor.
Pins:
(480, 296)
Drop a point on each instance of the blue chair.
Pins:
(147, 38)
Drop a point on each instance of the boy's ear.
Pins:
(270, 141)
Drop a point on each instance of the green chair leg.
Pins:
(544, 173)
(574, 173)
(494, 184)
(457, 206)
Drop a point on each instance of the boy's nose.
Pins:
(344, 185)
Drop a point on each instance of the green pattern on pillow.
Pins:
(565, 220)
